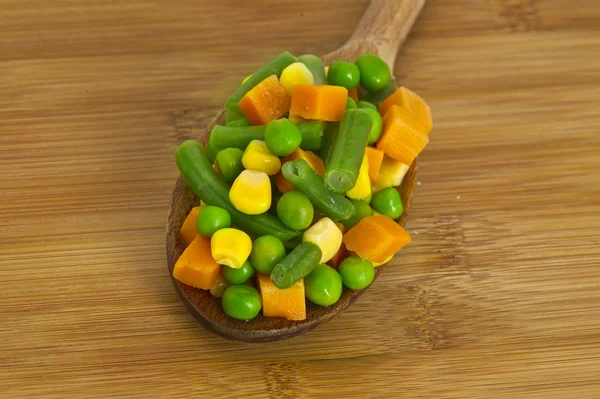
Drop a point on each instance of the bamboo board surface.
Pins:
(497, 296)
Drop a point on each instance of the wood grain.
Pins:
(497, 296)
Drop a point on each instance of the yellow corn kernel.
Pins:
(219, 286)
(230, 247)
(246, 79)
(258, 157)
(326, 235)
(251, 192)
(295, 74)
(391, 174)
(384, 262)
(326, 70)
(362, 188)
(375, 213)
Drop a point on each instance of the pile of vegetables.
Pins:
(298, 189)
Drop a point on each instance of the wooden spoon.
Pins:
(381, 31)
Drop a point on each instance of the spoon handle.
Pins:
(385, 25)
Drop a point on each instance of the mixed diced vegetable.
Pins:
(299, 189)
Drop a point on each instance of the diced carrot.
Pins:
(313, 161)
(342, 253)
(196, 266)
(410, 101)
(402, 138)
(323, 103)
(375, 158)
(353, 94)
(188, 228)
(376, 238)
(267, 101)
(288, 303)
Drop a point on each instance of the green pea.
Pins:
(350, 103)
(361, 211)
(376, 126)
(374, 72)
(388, 202)
(212, 218)
(283, 137)
(323, 286)
(366, 104)
(266, 252)
(238, 276)
(241, 302)
(230, 164)
(356, 273)
(295, 210)
(345, 74)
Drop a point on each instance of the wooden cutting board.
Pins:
(497, 296)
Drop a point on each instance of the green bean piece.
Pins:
(296, 265)
(308, 182)
(329, 133)
(315, 66)
(348, 150)
(312, 135)
(212, 189)
(211, 152)
(222, 137)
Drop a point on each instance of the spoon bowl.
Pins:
(381, 31)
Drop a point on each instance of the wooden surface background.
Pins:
(497, 296)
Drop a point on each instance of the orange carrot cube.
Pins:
(289, 303)
(402, 138)
(376, 238)
(323, 103)
(196, 266)
(375, 158)
(267, 101)
(413, 103)
(188, 229)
